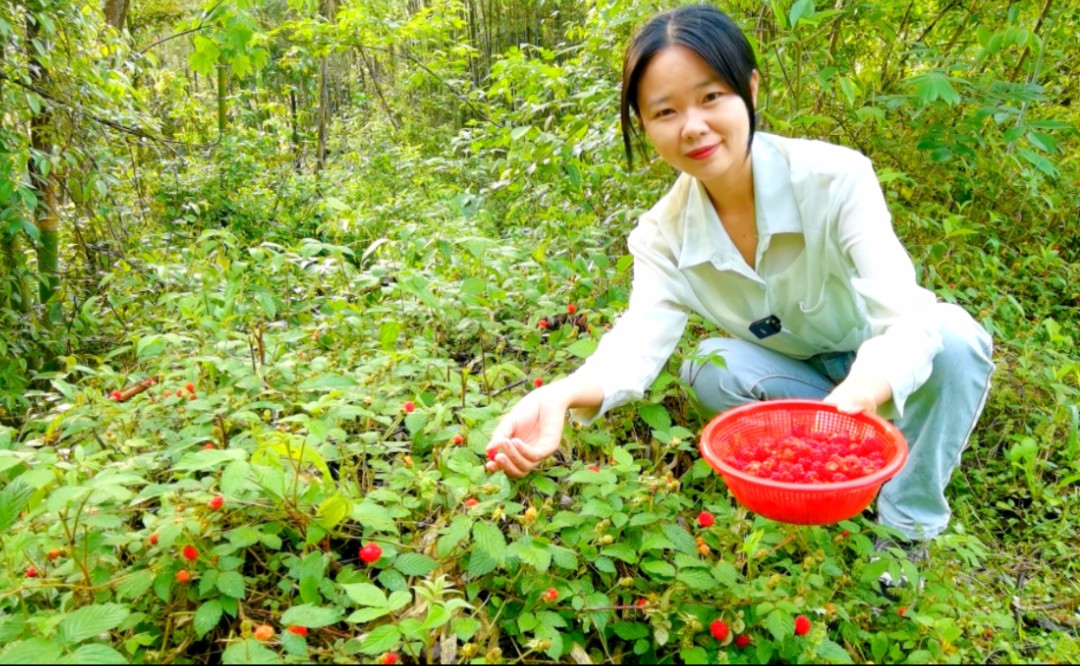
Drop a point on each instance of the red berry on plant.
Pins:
(594, 468)
(471, 502)
(538, 382)
(409, 406)
(900, 611)
(719, 629)
(115, 395)
(189, 387)
(190, 553)
(802, 625)
(216, 501)
(571, 308)
(183, 576)
(706, 519)
(179, 393)
(153, 539)
(31, 572)
(370, 553)
(742, 640)
(53, 554)
(208, 447)
(390, 658)
(298, 630)
(458, 439)
(551, 594)
(542, 323)
(642, 602)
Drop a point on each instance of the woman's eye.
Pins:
(713, 96)
(663, 112)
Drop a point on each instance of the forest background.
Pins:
(270, 272)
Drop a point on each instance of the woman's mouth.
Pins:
(702, 153)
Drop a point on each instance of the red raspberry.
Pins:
(571, 308)
(551, 594)
(115, 395)
(370, 553)
(802, 625)
(458, 439)
(594, 468)
(31, 572)
(538, 382)
(208, 447)
(471, 502)
(183, 577)
(742, 640)
(719, 629)
(409, 406)
(190, 553)
(900, 611)
(492, 453)
(543, 323)
(389, 658)
(706, 519)
(179, 393)
(298, 630)
(216, 502)
(189, 387)
(153, 539)
(53, 554)
(642, 602)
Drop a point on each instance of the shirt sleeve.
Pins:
(630, 356)
(905, 336)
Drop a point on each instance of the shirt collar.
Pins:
(776, 211)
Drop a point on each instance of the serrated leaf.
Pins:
(33, 651)
(366, 594)
(680, 538)
(779, 624)
(630, 631)
(231, 583)
(134, 585)
(694, 655)
(696, 579)
(94, 653)
(365, 615)
(311, 616)
(564, 558)
(658, 568)
(249, 651)
(480, 564)
(13, 500)
(89, 621)
(382, 639)
(490, 539)
(398, 600)
(656, 416)
(582, 348)
(453, 535)
(327, 383)
(207, 617)
(415, 564)
(621, 551)
(834, 653)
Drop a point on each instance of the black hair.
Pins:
(705, 30)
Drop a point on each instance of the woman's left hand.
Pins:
(859, 393)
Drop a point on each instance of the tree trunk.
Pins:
(221, 109)
(116, 13)
(328, 10)
(42, 178)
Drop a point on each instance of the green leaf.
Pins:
(311, 616)
(366, 594)
(89, 621)
(365, 615)
(582, 348)
(249, 651)
(415, 564)
(779, 624)
(453, 535)
(205, 57)
(398, 600)
(803, 9)
(480, 564)
(658, 568)
(328, 383)
(489, 538)
(682, 539)
(332, 511)
(694, 655)
(13, 500)
(630, 631)
(231, 583)
(33, 651)
(134, 585)
(519, 132)
(696, 579)
(382, 639)
(207, 617)
(656, 416)
(834, 653)
(94, 653)
(621, 551)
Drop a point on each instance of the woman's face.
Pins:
(694, 120)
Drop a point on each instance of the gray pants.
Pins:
(937, 422)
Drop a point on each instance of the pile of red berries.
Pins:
(809, 458)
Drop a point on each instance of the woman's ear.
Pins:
(754, 87)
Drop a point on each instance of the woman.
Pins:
(785, 244)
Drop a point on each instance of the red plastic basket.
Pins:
(798, 503)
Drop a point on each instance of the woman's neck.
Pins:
(733, 193)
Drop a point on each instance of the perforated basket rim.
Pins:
(891, 468)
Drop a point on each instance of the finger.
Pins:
(510, 467)
(848, 407)
(504, 430)
(516, 452)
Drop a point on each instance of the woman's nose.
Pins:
(695, 125)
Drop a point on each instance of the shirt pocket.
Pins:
(833, 318)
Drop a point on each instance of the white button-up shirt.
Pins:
(828, 264)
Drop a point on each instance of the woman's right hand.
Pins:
(530, 432)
